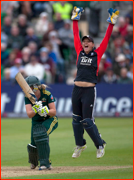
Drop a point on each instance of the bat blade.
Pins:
(25, 87)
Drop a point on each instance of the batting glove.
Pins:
(77, 11)
(43, 111)
(37, 106)
(113, 16)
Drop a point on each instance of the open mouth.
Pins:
(86, 47)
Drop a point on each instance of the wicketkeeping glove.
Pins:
(43, 111)
(37, 106)
(77, 11)
(113, 15)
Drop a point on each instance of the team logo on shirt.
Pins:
(43, 99)
(86, 61)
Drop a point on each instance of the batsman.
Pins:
(44, 122)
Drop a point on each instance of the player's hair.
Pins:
(43, 86)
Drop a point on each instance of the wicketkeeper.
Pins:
(44, 122)
(84, 91)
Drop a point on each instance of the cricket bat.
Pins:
(25, 87)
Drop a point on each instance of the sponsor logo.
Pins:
(109, 106)
(86, 61)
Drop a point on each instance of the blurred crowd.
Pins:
(37, 39)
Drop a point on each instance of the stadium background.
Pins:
(37, 39)
(32, 33)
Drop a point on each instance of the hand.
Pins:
(113, 15)
(43, 111)
(37, 106)
(77, 11)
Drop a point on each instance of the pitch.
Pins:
(117, 162)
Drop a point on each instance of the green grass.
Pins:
(118, 133)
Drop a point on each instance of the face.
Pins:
(87, 45)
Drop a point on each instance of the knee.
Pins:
(39, 132)
(87, 123)
(76, 119)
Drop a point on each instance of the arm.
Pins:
(29, 110)
(52, 109)
(77, 42)
(113, 15)
(102, 48)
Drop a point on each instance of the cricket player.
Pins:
(84, 91)
(44, 122)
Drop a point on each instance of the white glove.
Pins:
(113, 15)
(37, 106)
(43, 111)
(77, 13)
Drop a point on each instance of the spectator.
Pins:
(127, 51)
(129, 36)
(64, 8)
(26, 9)
(7, 25)
(15, 38)
(10, 61)
(59, 22)
(51, 54)
(4, 53)
(41, 26)
(46, 35)
(66, 34)
(105, 62)
(120, 62)
(16, 68)
(22, 24)
(130, 72)
(109, 76)
(31, 36)
(8, 7)
(115, 33)
(6, 79)
(41, 6)
(33, 48)
(4, 37)
(25, 55)
(122, 26)
(49, 65)
(34, 68)
(124, 79)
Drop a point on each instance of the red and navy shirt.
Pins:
(88, 64)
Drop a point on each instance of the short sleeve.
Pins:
(27, 101)
(51, 99)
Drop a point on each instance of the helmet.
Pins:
(31, 80)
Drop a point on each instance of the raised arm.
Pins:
(75, 17)
(102, 48)
(113, 15)
(77, 42)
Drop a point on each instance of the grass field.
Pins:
(116, 164)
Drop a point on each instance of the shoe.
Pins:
(78, 150)
(101, 151)
(45, 168)
(32, 166)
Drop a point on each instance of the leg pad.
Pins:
(78, 131)
(92, 131)
(41, 141)
(32, 154)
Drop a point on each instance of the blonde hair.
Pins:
(42, 86)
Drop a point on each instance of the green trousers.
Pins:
(50, 124)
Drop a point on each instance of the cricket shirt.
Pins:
(88, 64)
